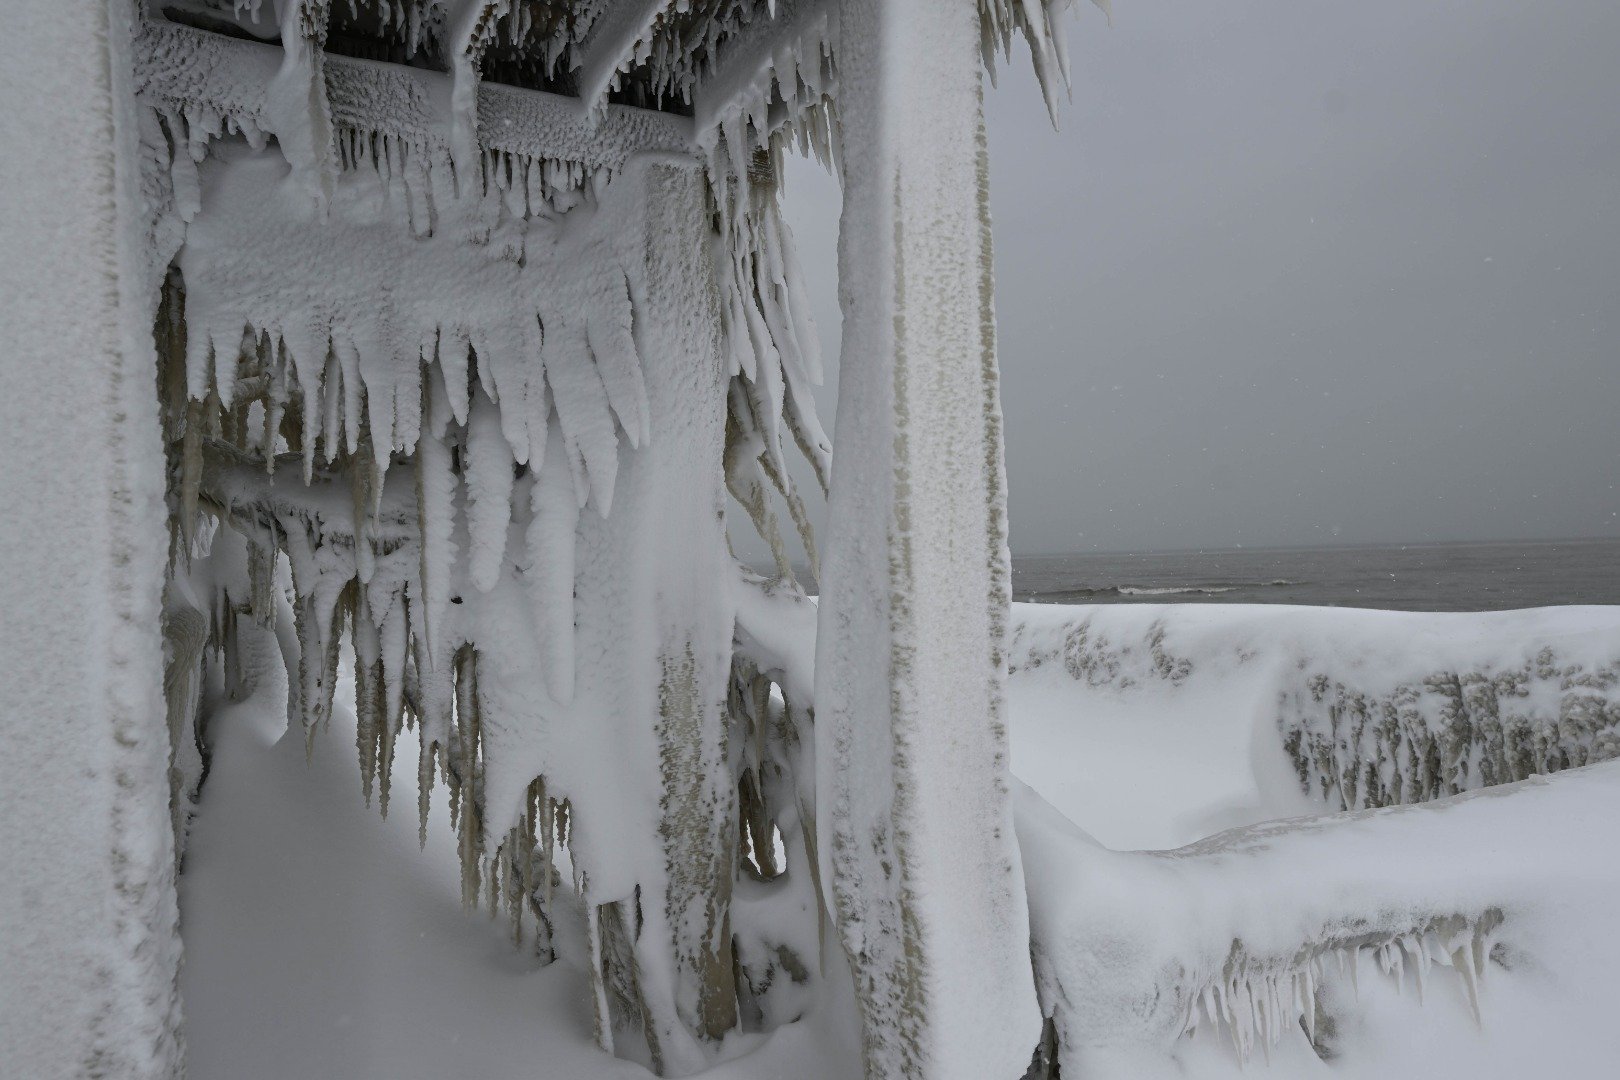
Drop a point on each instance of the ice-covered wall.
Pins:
(89, 950)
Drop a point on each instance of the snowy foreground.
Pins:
(1467, 937)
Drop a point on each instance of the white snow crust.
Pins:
(1210, 699)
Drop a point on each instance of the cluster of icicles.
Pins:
(529, 186)
(542, 40)
(685, 41)
(773, 356)
(1453, 732)
(1038, 22)
(1259, 1001)
(383, 444)
(370, 560)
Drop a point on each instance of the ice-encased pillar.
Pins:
(88, 944)
(910, 739)
(650, 778)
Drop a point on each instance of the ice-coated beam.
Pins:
(911, 743)
(181, 66)
(612, 41)
(89, 951)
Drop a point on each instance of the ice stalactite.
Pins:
(774, 358)
(489, 472)
(1258, 1001)
(774, 83)
(772, 349)
(1039, 22)
(554, 520)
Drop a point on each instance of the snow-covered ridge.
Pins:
(1374, 708)
(1448, 938)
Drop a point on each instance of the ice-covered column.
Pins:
(649, 768)
(911, 743)
(88, 943)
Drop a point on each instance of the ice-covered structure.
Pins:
(462, 318)
(432, 335)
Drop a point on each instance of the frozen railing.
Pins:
(1375, 708)
(1134, 950)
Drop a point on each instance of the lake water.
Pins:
(1405, 577)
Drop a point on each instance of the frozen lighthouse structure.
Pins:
(435, 341)
(438, 330)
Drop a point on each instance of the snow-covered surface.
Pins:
(321, 942)
(1156, 726)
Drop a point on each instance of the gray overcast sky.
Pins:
(1297, 272)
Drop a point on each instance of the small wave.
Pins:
(1084, 594)
(1171, 590)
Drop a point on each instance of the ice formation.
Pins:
(468, 315)
(459, 351)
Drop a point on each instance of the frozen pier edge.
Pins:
(1343, 938)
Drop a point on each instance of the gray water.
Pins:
(1406, 577)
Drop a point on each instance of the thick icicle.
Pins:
(488, 475)
(295, 107)
(551, 559)
(435, 500)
